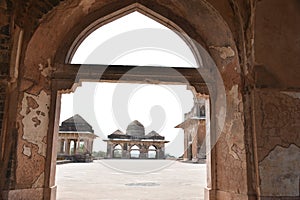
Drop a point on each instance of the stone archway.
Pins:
(135, 152)
(40, 92)
(117, 151)
(152, 152)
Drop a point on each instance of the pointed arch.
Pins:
(135, 151)
(135, 7)
(117, 151)
(152, 152)
(199, 19)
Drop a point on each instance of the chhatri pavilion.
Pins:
(135, 144)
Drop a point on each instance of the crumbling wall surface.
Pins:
(231, 152)
(33, 127)
(48, 38)
(32, 124)
(277, 40)
(277, 119)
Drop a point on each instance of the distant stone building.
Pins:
(194, 132)
(75, 139)
(135, 144)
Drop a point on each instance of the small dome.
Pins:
(135, 128)
(153, 133)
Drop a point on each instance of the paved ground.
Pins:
(131, 180)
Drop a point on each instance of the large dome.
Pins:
(135, 128)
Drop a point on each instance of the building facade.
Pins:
(75, 139)
(194, 127)
(135, 144)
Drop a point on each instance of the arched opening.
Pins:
(117, 151)
(135, 152)
(202, 111)
(72, 147)
(156, 51)
(81, 147)
(152, 152)
(130, 30)
(159, 50)
(63, 79)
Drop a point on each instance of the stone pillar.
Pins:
(202, 139)
(124, 150)
(62, 145)
(128, 151)
(194, 146)
(58, 145)
(85, 148)
(90, 146)
(210, 190)
(67, 150)
(109, 152)
(143, 152)
(189, 144)
(36, 150)
(160, 152)
(86, 145)
(186, 146)
(75, 146)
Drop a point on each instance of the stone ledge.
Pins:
(30, 194)
(280, 198)
(210, 194)
(224, 195)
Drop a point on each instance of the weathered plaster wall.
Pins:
(279, 172)
(277, 119)
(277, 41)
(34, 110)
(199, 19)
(33, 122)
(218, 28)
(231, 151)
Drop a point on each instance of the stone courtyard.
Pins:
(98, 180)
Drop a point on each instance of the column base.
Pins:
(210, 194)
(231, 195)
(280, 198)
(31, 194)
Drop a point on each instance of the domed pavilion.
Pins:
(135, 144)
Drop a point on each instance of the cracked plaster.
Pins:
(40, 181)
(278, 141)
(47, 69)
(35, 120)
(280, 171)
(26, 150)
(225, 52)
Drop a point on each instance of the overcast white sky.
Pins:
(111, 106)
